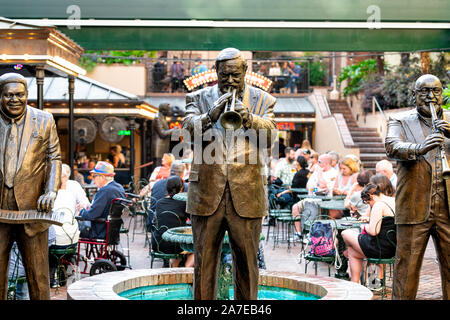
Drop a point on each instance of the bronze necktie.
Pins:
(11, 156)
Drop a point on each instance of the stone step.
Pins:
(372, 157)
(365, 129)
(367, 139)
(370, 144)
(372, 150)
(364, 134)
(340, 109)
(372, 164)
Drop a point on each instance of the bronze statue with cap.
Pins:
(30, 172)
(228, 195)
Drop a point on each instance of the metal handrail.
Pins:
(326, 104)
(375, 103)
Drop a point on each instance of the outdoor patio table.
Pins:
(182, 196)
(323, 197)
(299, 190)
(333, 205)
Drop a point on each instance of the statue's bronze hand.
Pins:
(444, 127)
(45, 201)
(432, 141)
(242, 110)
(219, 106)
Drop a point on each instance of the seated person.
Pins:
(174, 186)
(158, 191)
(324, 175)
(278, 194)
(353, 198)
(348, 172)
(301, 177)
(162, 171)
(108, 189)
(360, 246)
(299, 181)
(70, 197)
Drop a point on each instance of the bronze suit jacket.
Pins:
(413, 193)
(38, 164)
(246, 180)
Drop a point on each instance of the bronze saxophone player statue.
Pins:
(30, 169)
(227, 194)
(419, 141)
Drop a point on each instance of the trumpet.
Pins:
(445, 167)
(231, 119)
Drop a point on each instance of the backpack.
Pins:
(322, 239)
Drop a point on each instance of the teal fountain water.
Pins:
(176, 283)
(184, 292)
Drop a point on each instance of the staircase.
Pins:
(371, 145)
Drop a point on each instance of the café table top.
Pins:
(184, 235)
(182, 196)
(332, 205)
(322, 197)
(343, 223)
(299, 190)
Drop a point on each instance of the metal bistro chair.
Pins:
(274, 214)
(310, 257)
(383, 262)
(158, 228)
(65, 257)
(14, 279)
(139, 212)
(286, 221)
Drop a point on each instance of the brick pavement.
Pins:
(280, 259)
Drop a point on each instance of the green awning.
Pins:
(259, 39)
(248, 10)
(256, 25)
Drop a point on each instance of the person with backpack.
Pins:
(381, 221)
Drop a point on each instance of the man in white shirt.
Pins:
(286, 168)
(385, 167)
(324, 175)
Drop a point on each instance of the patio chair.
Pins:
(158, 229)
(311, 257)
(383, 262)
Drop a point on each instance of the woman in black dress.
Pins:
(366, 245)
(170, 220)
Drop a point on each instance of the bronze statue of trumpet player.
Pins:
(419, 140)
(228, 195)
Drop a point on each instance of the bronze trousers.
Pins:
(243, 234)
(412, 241)
(34, 252)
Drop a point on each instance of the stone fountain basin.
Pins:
(107, 286)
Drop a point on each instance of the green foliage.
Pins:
(355, 74)
(91, 58)
(446, 96)
(395, 88)
(318, 74)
